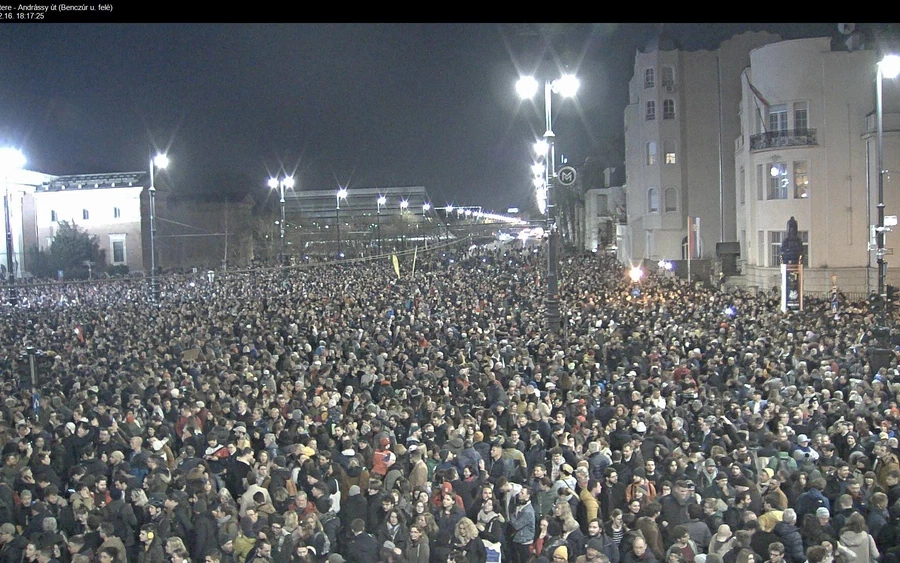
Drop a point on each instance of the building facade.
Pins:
(807, 149)
(107, 206)
(680, 124)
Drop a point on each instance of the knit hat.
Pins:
(822, 512)
(354, 490)
(561, 552)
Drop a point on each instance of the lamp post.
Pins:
(566, 86)
(10, 159)
(280, 185)
(404, 205)
(888, 67)
(341, 194)
(381, 201)
(160, 161)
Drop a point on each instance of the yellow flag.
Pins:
(396, 265)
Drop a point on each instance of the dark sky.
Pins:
(361, 105)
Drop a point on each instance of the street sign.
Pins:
(566, 175)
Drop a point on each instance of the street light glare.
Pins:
(541, 148)
(161, 161)
(273, 183)
(890, 66)
(289, 182)
(11, 159)
(636, 273)
(538, 169)
(342, 193)
(527, 87)
(567, 85)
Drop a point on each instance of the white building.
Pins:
(807, 149)
(19, 187)
(680, 127)
(107, 206)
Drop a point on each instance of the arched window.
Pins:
(649, 78)
(653, 200)
(651, 110)
(671, 200)
(651, 153)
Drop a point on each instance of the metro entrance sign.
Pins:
(566, 176)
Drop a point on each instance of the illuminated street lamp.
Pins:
(636, 274)
(566, 86)
(382, 201)
(280, 185)
(888, 67)
(10, 159)
(160, 161)
(341, 194)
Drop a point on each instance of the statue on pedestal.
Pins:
(792, 245)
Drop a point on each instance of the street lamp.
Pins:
(341, 194)
(160, 161)
(404, 205)
(280, 185)
(888, 67)
(566, 86)
(381, 201)
(10, 159)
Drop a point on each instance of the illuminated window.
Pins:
(801, 180)
(651, 153)
(669, 151)
(649, 79)
(85, 214)
(778, 181)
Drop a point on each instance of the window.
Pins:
(653, 200)
(775, 248)
(651, 110)
(85, 214)
(761, 248)
(775, 240)
(649, 79)
(117, 244)
(668, 76)
(778, 181)
(117, 213)
(671, 200)
(742, 186)
(668, 109)
(801, 117)
(53, 216)
(669, 151)
(651, 153)
(760, 181)
(801, 180)
(778, 118)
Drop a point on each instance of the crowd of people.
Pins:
(344, 413)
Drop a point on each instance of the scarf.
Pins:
(485, 518)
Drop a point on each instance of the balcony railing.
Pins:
(784, 138)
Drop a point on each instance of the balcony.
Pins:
(784, 138)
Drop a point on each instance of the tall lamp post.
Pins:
(381, 201)
(404, 205)
(10, 159)
(160, 161)
(566, 86)
(280, 185)
(888, 67)
(341, 194)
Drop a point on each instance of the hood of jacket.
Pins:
(853, 539)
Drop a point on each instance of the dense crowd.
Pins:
(342, 413)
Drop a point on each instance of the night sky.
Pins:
(358, 105)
